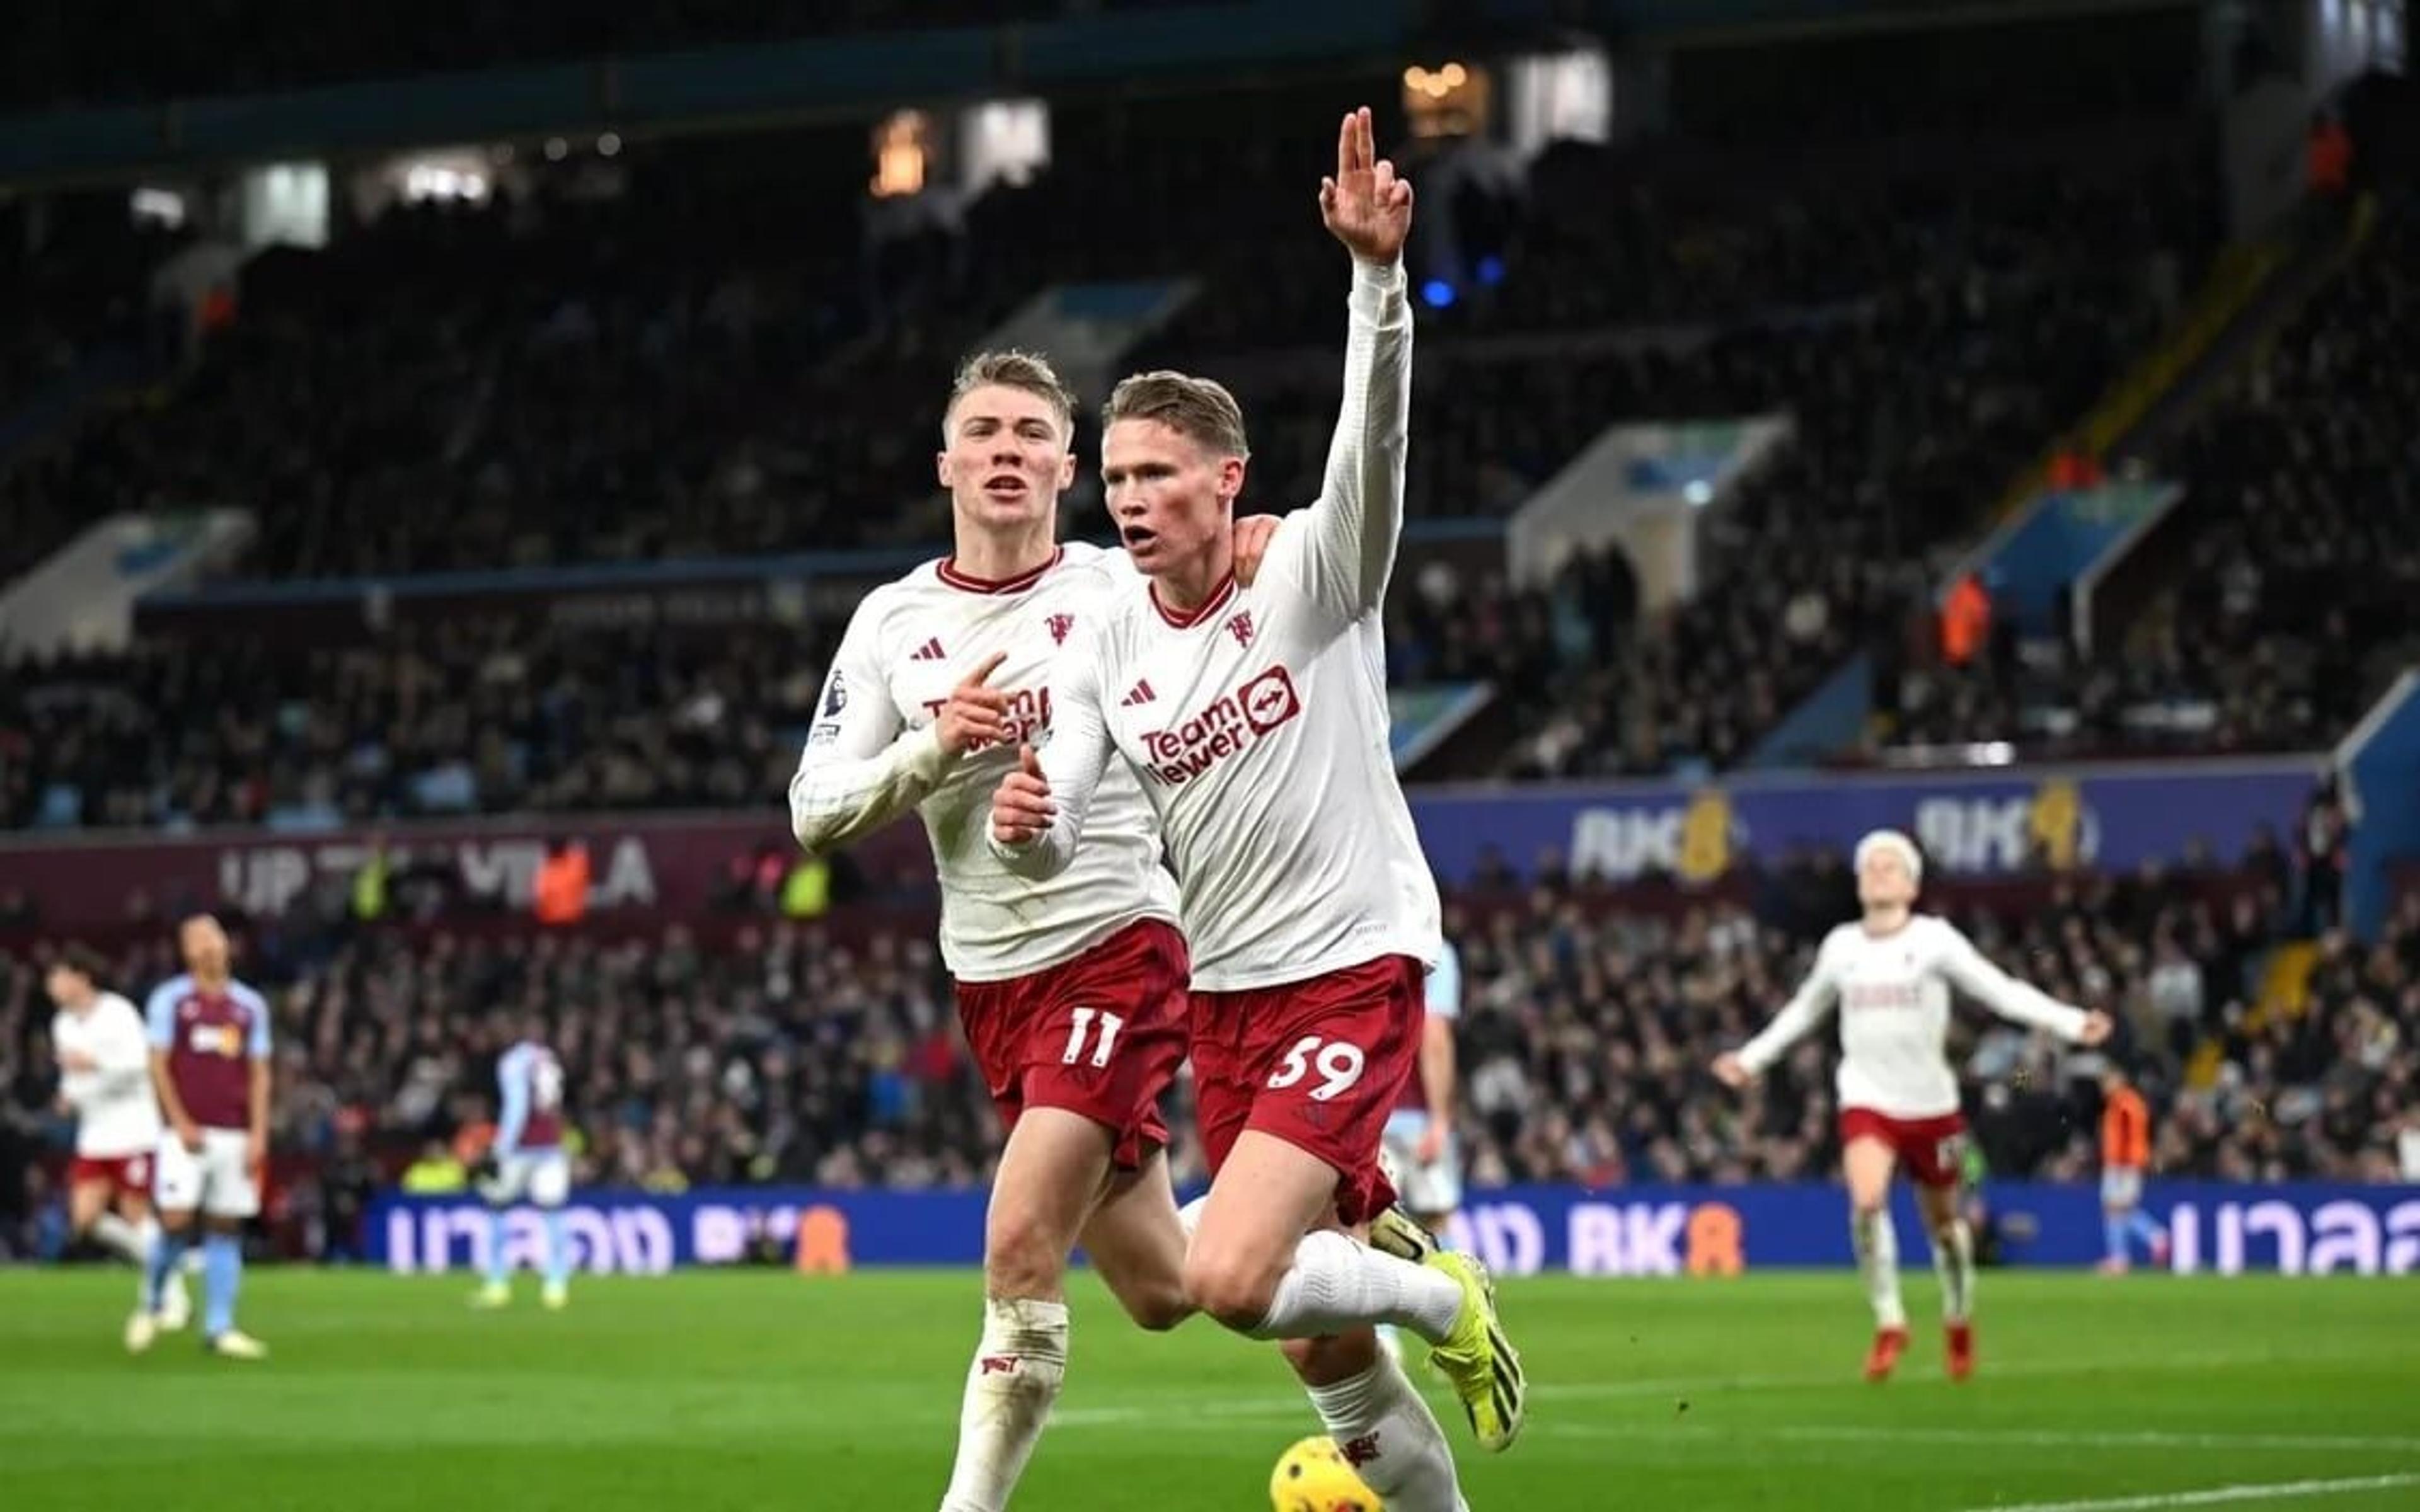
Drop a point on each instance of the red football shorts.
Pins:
(122, 1173)
(1929, 1149)
(1101, 1035)
(1318, 1063)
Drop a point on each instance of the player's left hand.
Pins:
(1431, 1143)
(1021, 809)
(2097, 1028)
(255, 1152)
(78, 1061)
(1365, 206)
(1252, 535)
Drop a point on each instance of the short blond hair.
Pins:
(1011, 369)
(1196, 407)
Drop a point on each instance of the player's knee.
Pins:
(1023, 1257)
(1157, 1309)
(1230, 1288)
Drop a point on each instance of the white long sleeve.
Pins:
(124, 1057)
(116, 1111)
(861, 767)
(1358, 519)
(1894, 994)
(1807, 1006)
(2003, 994)
(1256, 721)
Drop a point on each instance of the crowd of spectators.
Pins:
(2289, 607)
(1910, 410)
(72, 281)
(61, 55)
(817, 1052)
(470, 715)
(675, 372)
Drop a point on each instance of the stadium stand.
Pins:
(717, 357)
(796, 1051)
(469, 716)
(63, 55)
(560, 380)
(2289, 608)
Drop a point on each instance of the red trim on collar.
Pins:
(1216, 601)
(969, 583)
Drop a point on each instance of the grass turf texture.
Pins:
(756, 1390)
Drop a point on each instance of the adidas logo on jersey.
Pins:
(1137, 695)
(930, 651)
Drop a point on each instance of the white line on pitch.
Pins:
(1173, 1409)
(2282, 1491)
(2045, 1438)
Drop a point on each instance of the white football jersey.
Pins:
(1258, 721)
(875, 749)
(116, 1112)
(1893, 994)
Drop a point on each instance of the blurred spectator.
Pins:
(1965, 621)
(437, 1172)
(2327, 842)
(793, 1055)
(562, 886)
(2327, 157)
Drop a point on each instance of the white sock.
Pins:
(1877, 1244)
(1391, 1439)
(1337, 1282)
(1953, 1260)
(1015, 1377)
(122, 1237)
(146, 1234)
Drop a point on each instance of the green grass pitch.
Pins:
(766, 1390)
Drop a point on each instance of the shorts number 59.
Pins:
(1338, 1066)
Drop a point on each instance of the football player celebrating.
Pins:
(1891, 974)
(1072, 992)
(1255, 717)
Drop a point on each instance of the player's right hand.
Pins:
(1021, 809)
(975, 714)
(1365, 206)
(1731, 1071)
(189, 1135)
(2098, 1026)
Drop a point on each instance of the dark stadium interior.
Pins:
(707, 346)
(1900, 653)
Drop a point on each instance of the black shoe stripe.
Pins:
(1508, 1360)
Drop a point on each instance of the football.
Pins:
(1313, 1477)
